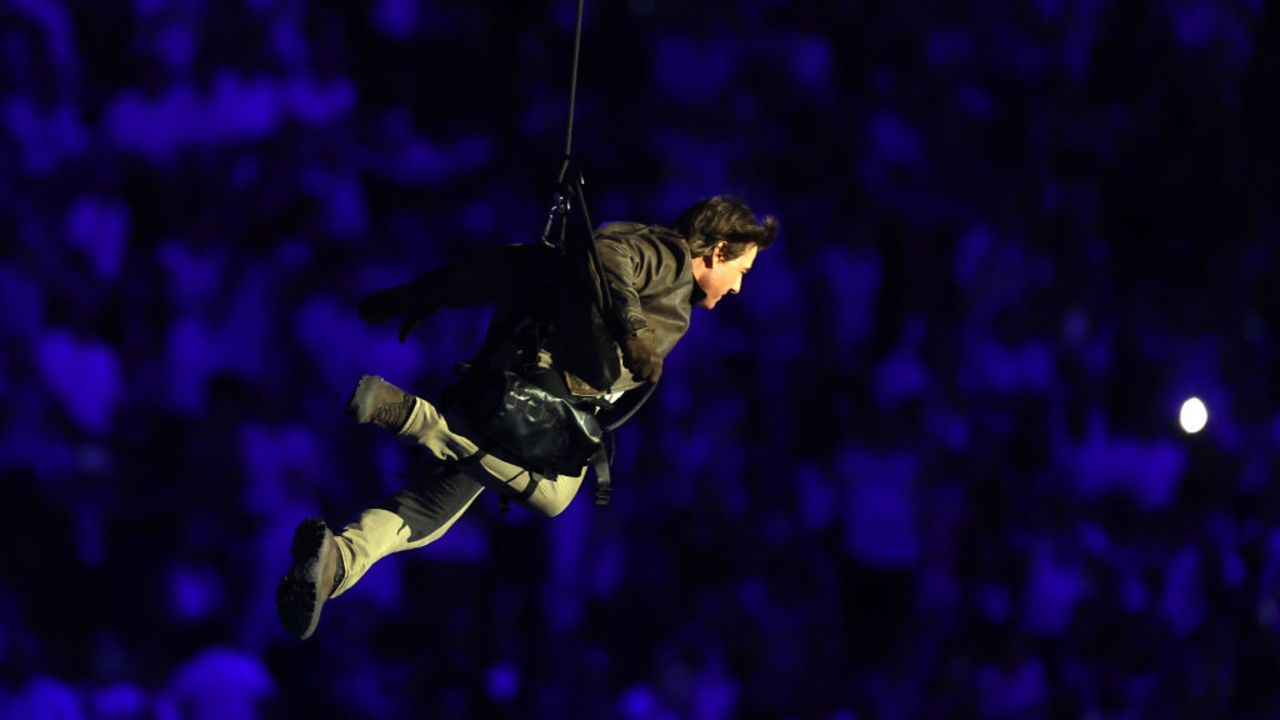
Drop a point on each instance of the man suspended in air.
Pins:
(573, 344)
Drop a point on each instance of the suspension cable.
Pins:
(563, 196)
(573, 86)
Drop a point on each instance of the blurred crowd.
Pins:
(926, 465)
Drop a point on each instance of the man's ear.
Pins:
(717, 253)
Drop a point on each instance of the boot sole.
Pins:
(298, 596)
(362, 415)
(391, 413)
(353, 401)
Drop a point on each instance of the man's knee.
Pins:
(553, 495)
(552, 509)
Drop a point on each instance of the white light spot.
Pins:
(1194, 415)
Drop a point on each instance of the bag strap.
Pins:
(604, 481)
(602, 460)
(626, 415)
(504, 498)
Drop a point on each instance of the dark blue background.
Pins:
(927, 464)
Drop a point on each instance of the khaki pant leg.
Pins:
(435, 506)
(428, 427)
(550, 496)
(416, 516)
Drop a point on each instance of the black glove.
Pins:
(413, 302)
(640, 357)
(382, 305)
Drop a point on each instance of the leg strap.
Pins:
(604, 484)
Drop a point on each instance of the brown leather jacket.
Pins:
(648, 272)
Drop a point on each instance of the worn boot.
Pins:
(315, 572)
(379, 402)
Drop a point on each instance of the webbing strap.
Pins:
(603, 299)
(504, 498)
(635, 407)
(604, 483)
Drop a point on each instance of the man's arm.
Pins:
(621, 259)
(484, 278)
(627, 261)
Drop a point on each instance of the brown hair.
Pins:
(724, 218)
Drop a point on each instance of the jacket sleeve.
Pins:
(627, 262)
(486, 277)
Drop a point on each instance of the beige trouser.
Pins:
(429, 506)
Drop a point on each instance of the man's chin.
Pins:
(708, 302)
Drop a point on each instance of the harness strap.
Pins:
(504, 499)
(635, 407)
(604, 483)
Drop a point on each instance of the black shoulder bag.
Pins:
(523, 413)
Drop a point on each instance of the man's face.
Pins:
(719, 277)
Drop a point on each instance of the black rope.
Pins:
(573, 88)
(560, 204)
(568, 190)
